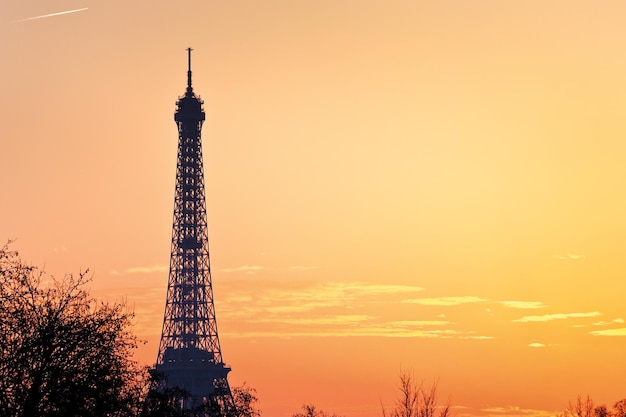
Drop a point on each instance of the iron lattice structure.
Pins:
(190, 356)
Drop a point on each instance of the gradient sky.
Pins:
(426, 185)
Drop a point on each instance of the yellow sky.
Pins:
(426, 185)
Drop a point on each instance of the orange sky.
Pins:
(426, 185)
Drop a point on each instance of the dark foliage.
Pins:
(162, 401)
(62, 353)
(246, 401)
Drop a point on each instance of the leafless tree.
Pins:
(309, 410)
(416, 400)
(619, 408)
(62, 353)
(246, 401)
(585, 407)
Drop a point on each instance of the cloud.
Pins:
(536, 345)
(302, 268)
(383, 330)
(145, 299)
(419, 323)
(240, 299)
(299, 308)
(610, 332)
(147, 269)
(529, 305)
(373, 289)
(558, 316)
(569, 256)
(334, 309)
(445, 301)
(52, 14)
(281, 298)
(248, 269)
(514, 410)
(142, 270)
(606, 323)
(332, 320)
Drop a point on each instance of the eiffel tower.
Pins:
(190, 356)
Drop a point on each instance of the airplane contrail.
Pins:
(53, 14)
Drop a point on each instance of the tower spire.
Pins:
(189, 89)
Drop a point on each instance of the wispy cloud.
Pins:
(142, 270)
(332, 320)
(304, 306)
(302, 268)
(536, 345)
(524, 305)
(52, 14)
(558, 316)
(419, 323)
(606, 323)
(334, 309)
(515, 410)
(445, 301)
(569, 256)
(144, 298)
(289, 297)
(610, 332)
(364, 331)
(360, 288)
(147, 269)
(248, 269)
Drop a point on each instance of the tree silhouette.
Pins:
(62, 353)
(246, 401)
(163, 401)
(416, 400)
(309, 410)
(619, 408)
(582, 407)
(585, 407)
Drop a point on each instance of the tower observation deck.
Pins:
(189, 355)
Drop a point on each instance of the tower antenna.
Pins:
(189, 69)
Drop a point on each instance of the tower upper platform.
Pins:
(189, 106)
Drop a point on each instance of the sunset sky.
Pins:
(426, 185)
